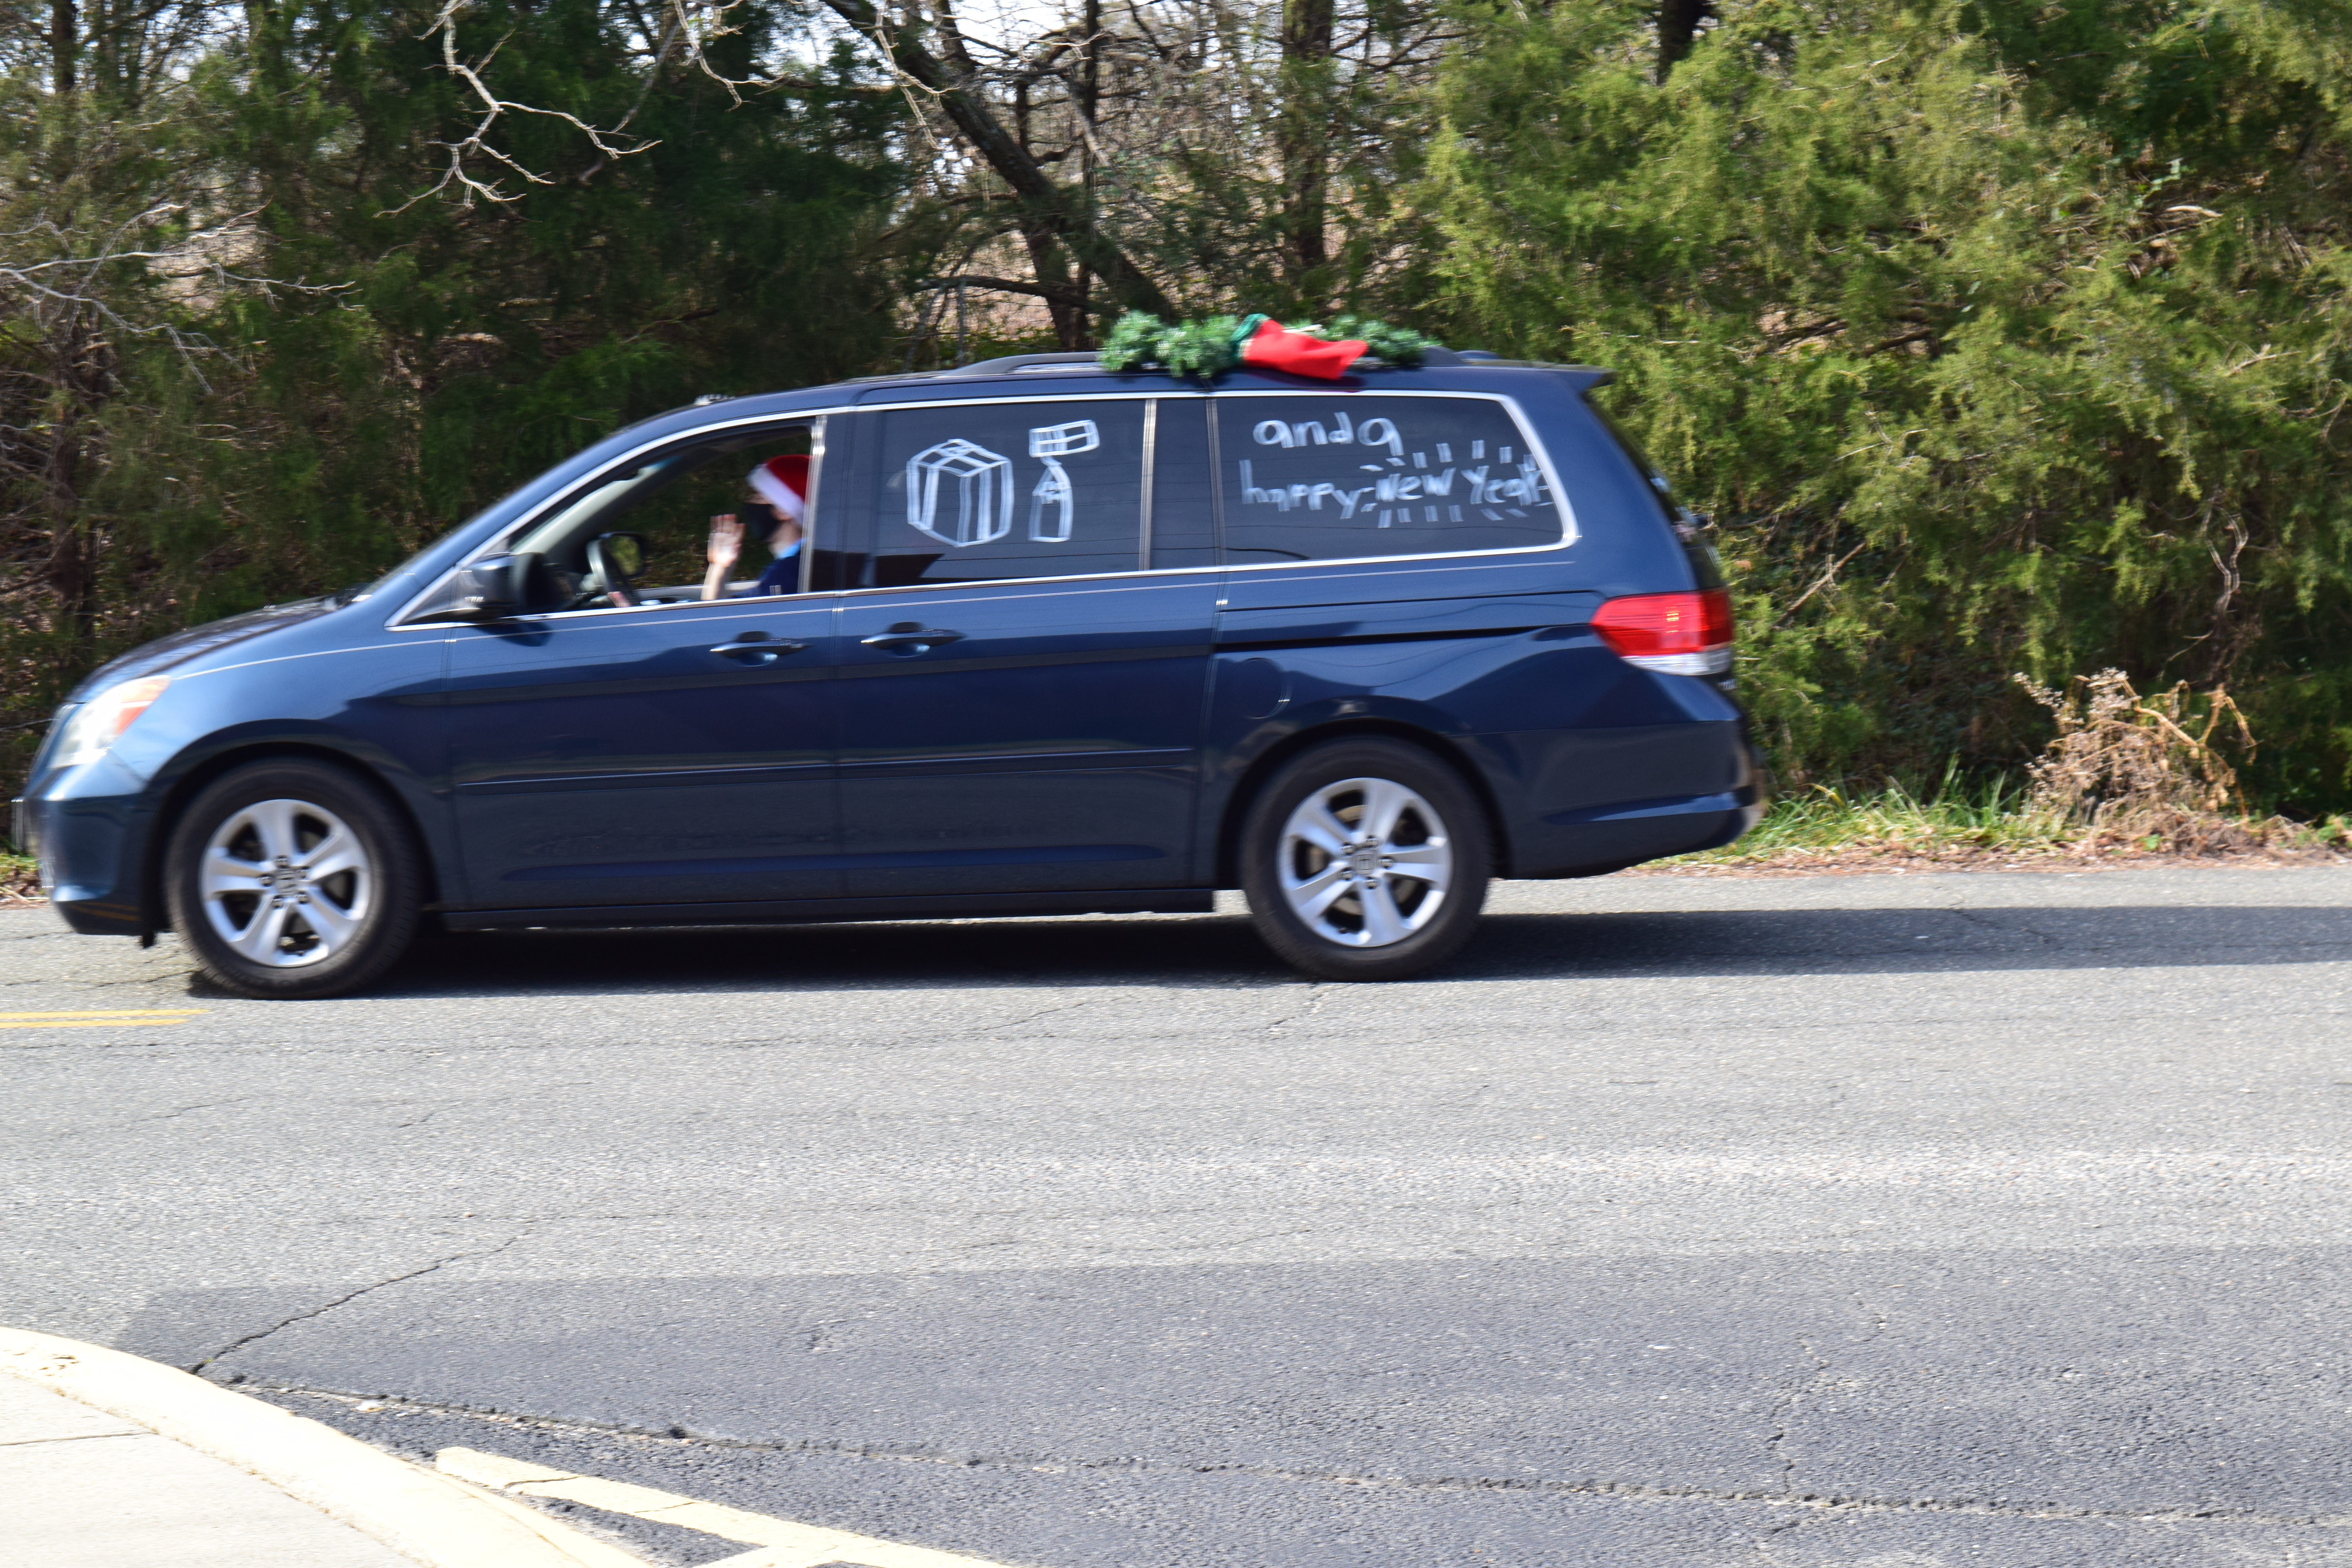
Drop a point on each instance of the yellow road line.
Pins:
(111, 1020)
(119, 1013)
(777, 1542)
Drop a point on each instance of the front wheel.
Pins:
(1366, 859)
(292, 879)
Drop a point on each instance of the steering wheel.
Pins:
(614, 560)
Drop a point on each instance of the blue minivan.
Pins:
(1053, 641)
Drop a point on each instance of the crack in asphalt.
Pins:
(68, 1437)
(261, 1335)
(1316, 995)
(143, 1120)
(673, 1437)
(1040, 1013)
(1977, 917)
(1822, 1381)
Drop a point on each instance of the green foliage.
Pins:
(1203, 349)
(484, 341)
(1209, 348)
(1993, 337)
(1397, 345)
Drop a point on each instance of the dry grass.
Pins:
(2126, 779)
(19, 880)
(2126, 768)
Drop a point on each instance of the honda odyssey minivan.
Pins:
(1059, 640)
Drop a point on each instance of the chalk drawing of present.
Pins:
(1051, 503)
(960, 493)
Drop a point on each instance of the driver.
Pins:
(782, 486)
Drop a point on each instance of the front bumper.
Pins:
(89, 827)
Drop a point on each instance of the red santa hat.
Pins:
(1270, 346)
(782, 483)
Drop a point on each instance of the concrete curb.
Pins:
(435, 1520)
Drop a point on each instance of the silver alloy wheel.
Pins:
(285, 883)
(1365, 862)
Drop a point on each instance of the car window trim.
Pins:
(1150, 401)
(1143, 505)
(398, 621)
(1571, 531)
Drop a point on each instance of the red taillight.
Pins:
(1678, 634)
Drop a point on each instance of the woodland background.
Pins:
(2002, 336)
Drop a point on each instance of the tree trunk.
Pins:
(65, 45)
(1047, 208)
(68, 572)
(1303, 146)
(1051, 263)
(1678, 23)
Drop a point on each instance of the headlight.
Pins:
(94, 726)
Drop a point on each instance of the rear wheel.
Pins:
(291, 879)
(1366, 859)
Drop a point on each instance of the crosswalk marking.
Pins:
(98, 1020)
(776, 1542)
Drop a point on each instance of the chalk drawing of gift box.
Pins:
(960, 493)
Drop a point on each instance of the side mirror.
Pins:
(487, 589)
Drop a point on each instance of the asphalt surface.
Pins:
(1887, 1221)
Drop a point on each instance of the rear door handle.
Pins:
(910, 636)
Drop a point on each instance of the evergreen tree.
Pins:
(1993, 336)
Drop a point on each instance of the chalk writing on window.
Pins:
(1398, 476)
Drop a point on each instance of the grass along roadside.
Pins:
(1992, 827)
(2128, 776)
(20, 881)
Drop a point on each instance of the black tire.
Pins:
(293, 937)
(1439, 827)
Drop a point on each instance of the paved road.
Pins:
(1993, 1219)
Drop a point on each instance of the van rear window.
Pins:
(1326, 478)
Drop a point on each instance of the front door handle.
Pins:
(762, 652)
(910, 636)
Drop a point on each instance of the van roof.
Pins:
(1086, 360)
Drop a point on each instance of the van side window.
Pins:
(1325, 478)
(977, 492)
(640, 533)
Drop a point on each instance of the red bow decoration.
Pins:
(1269, 345)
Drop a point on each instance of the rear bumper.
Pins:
(1650, 830)
(1594, 801)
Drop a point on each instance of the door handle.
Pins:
(757, 652)
(910, 636)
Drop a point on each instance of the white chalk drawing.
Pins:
(1395, 491)
(1340, 432)
(1053, 493)
(980, 499)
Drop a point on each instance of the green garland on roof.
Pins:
(1186, 348)
(1209, 348)
(1397, 345)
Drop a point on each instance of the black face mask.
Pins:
(758, 518)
